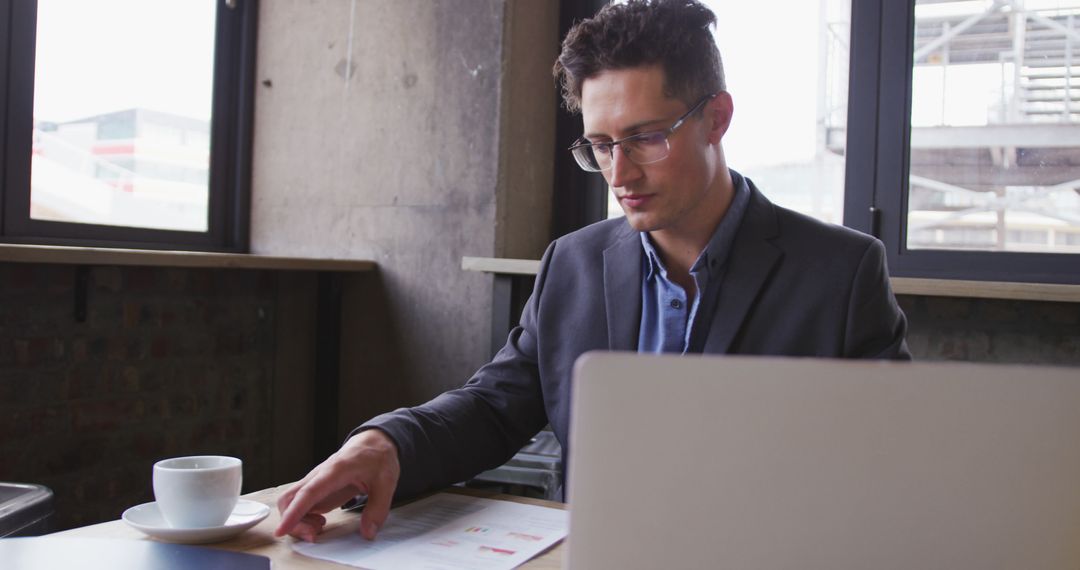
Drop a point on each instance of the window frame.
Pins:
(232, 117)
(579, 198)
(879, 131)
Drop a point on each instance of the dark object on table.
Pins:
(25, 510)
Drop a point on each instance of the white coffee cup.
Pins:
(197, 491)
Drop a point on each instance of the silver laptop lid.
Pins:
(752, 462)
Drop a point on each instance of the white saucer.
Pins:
(148, 519)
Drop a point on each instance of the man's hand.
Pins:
(366, 464)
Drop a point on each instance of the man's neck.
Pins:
(680, 247)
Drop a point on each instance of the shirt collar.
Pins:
(652, 259)
(715, 254)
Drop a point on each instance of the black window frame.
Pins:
(230, 146)
(878, 159)
(579, 198)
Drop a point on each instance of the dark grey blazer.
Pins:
(794, 286)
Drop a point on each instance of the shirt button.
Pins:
(676, 304)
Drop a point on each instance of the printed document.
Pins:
(446, 532)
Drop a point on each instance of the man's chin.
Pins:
(640, 222)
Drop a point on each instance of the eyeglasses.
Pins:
(642, 148)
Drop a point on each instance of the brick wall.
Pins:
(184, 361)
(993, 330)
(167, 362)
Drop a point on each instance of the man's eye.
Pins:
(642, 141)
(651, 138)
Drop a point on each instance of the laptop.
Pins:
(761, 462)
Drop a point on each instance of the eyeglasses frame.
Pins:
(610, 145)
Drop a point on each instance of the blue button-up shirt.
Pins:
(669, 322)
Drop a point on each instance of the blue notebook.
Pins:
(39, 552)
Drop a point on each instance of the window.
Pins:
(973, 153)
(128, 122)
(994, 106)
(947, 128)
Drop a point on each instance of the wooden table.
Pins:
(260, 539)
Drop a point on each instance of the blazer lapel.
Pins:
(622, 291)
(751, 260)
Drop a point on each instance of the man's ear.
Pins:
(718, 112)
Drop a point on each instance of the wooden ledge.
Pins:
(18, 253)
(900, 285)
(501, 265)
(986, 289)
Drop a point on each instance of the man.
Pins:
(702, 262)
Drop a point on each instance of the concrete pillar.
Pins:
(411, 133)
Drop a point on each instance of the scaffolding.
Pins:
(998, 170)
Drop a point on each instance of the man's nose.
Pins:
(623, 170)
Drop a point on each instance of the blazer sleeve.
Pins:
(476, 427)
(875, 325)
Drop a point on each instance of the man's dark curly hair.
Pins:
(672, 33)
